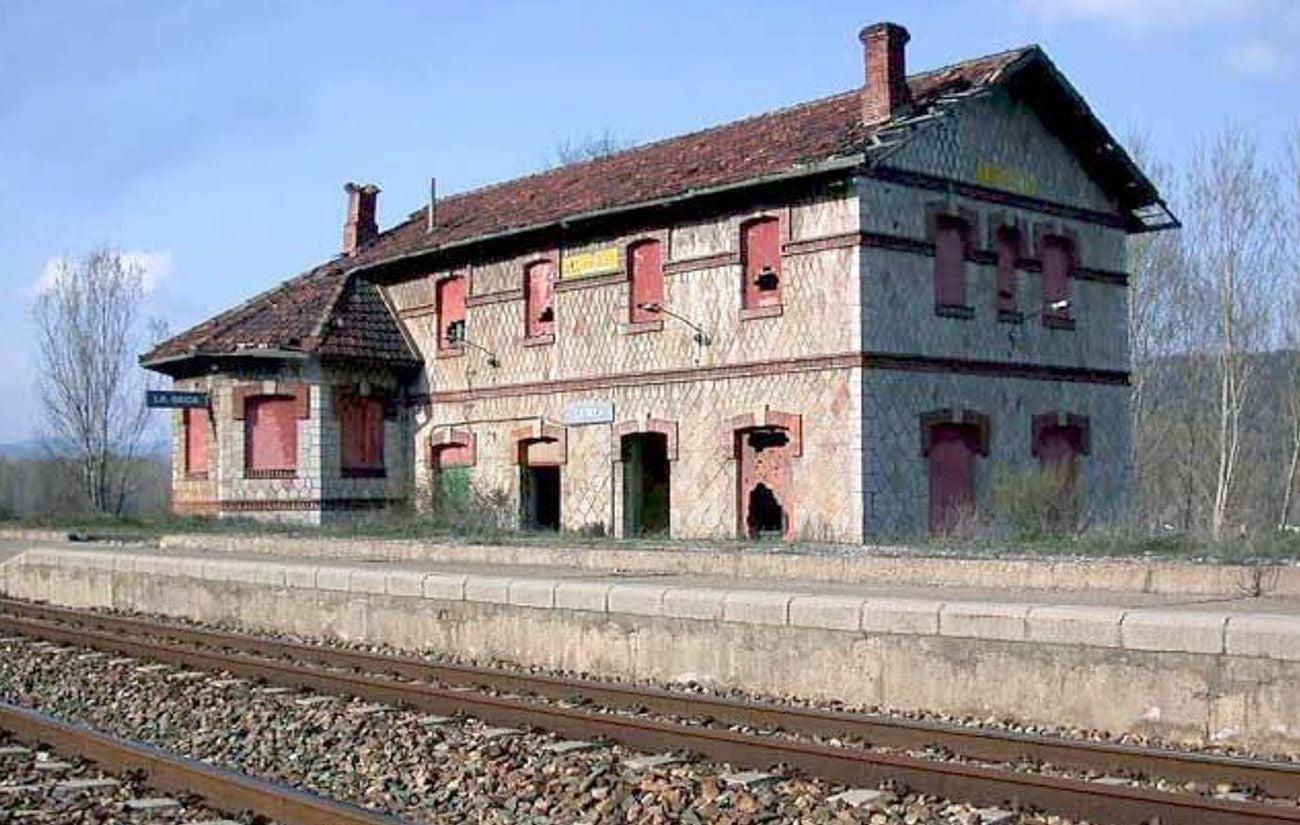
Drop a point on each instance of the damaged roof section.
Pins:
(332, 312)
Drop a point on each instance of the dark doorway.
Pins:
(953, 448)
(539, 498)
(766, 517)
(646, 485)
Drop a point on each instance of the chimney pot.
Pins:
(884, 57)
(360, 227)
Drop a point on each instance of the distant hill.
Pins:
(36, 448)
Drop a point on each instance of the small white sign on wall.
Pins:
(595, 411)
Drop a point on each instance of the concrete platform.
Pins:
(1224, 668)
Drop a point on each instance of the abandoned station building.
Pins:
(834, 321)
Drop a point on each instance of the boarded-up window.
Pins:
(760, 257)
(953, 448)
(1008, 243)
(450, 298)
(1058, 450)
(950, 235)
(271, 435)
(645, 267)
(539, 307)
(361, 435)
(196, 441)
(1058, 265)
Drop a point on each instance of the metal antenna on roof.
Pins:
(433, 203)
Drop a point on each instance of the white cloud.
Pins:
(153, 266)
(1144, 15)
(1261, 59)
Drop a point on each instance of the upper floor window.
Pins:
(1008, 251)
(271, 435)
(450, 298)
(760, 258)
(196, 441)
(1058, 267)
(645, 274)
(361, 435)
(539, 299)
(951, 241)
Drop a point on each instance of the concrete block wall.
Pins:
(1214, 675)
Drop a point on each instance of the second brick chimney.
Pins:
(360, 228)
(884, 48)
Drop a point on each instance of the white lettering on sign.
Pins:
(596, 411)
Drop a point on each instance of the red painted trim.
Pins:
(879, 361)
(936, 183)
(498, 297)
(848, 240)
(300, 392)
(641, 327)
(612, 279)
(755, 313)
(701, 262)
(538, 340)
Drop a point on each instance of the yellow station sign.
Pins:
(1002, 177)
(586, 264)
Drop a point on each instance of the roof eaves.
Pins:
(837, 163)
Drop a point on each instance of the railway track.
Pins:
(445, 689)
(221, 790)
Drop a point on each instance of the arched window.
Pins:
(760, 258)
(645, 274)
(951, 240)
(539, 299)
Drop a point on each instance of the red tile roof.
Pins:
(293, 315)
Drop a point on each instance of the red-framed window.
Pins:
(271, 435)
(539, 299)
(361, 435)
(951, 241)
(450, 298)
(196, 422)
(645, 274)
(760, 258)
(1059, 255)
(1009, 246)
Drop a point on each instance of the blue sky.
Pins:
(212, 139)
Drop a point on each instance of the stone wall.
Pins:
(317, 489)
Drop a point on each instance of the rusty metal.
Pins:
(1277, 779)
(861, 768)
(226, 791)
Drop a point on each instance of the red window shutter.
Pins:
(1008, 258)
(760, 255)
(450, 298)
(950, 263)
(539, 283)
(361, 429)
(196, 441)
(271, 433)
(1058, 258)
(645, 261)
(952, 475)
(1058, 453)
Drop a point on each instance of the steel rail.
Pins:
(223, 790)
(1074, 798)
(1278, 779)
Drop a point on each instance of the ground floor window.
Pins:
(764, 499)
(1058, 445)
(270, 436)
(952, 477)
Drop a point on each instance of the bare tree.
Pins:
(591, 147)
(1291, 316)
(1231, 247)
(89, 327)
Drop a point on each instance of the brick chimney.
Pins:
(360, 228)
(884, 55)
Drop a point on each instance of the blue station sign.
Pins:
(176, 400)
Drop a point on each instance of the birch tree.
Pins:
(1290, 249)
(1231, 221)
(89, 328)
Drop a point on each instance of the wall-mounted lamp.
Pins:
(1055, 308)
(701, 337)
(456, 336)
